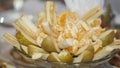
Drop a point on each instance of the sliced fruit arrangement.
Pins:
(49, 45)
(64, 38)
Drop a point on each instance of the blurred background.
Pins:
(10, 10)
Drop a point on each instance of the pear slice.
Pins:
(82, 49)
(65, 56)
(22, 40)
(47, 29)
(24, 49)
(43, 56)
(107, 37)
(34, 49)
(53, 57)
(36, 56)
(105, 51)
(49, 45)
(86, 56)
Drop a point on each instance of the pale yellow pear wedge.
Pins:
(22, 40)
(24, 49)
(97, 45)
(47, 29)
(53, 57)
(82, 49)
(45, 56)
(34, 49)
(105, 51)
(107, 37)
(65, 56)
(50, 45)
(86, 55)
(36, 56)
(39, 55)
(11, 40)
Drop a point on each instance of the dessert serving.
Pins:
(65, 37)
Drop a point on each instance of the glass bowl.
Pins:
(20, 60)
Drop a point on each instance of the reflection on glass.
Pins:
(2, 19)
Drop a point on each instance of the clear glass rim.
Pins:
(44, 61)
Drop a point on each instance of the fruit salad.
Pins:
(66, 37)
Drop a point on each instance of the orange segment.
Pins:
(96, 22)
(62, 18)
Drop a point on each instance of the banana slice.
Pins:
(107, 37)
(12, 40)
(27, 28)
(49, 45)
(92, 14)
(65, 56)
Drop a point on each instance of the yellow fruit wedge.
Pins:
(65, 56)
(42, 56)
(69, 42)
(45, 56)
(82, 49)
(97, 45)
(107, 37)
(36, 56)
(47, 29)
(53, 57)
(34, 49)
(11, 40)
(86, 55)
(22, 40)
(24, 49)
(105, 51)
(49, 45)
